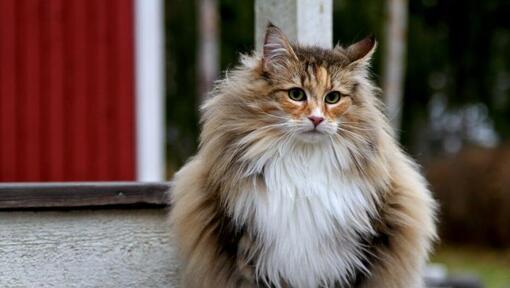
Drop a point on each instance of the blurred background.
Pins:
(69, 110)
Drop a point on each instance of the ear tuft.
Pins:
(362, 50)
(277, 49)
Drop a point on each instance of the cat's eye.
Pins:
(332, 97)
(297, 94)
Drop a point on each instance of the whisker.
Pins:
(273, 115)
(354, 135)
(357, 128)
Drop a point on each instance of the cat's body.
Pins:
(310, 191)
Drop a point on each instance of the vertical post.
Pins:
(208, 52)
(394, 56)
(150, 156)
(308, 22)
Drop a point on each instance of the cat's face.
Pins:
(314, 91)
(313, 102)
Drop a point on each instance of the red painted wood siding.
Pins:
(66, 90)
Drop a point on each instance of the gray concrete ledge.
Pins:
(87, 248)
(82, 194)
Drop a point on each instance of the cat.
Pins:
(298, 181)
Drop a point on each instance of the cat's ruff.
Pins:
(308, 211)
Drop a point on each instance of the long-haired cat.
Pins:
(298, 181)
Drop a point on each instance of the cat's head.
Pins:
(315, 92)
(291, 93)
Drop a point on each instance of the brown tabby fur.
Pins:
(217, 248)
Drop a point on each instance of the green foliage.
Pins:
(181, 101)
(237, 30)
(462, 44)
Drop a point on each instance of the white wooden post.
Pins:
(394, 59)
(150, 156)
(307, 22)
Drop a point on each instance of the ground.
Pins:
(492, 266)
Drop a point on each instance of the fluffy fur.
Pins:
(271, 200)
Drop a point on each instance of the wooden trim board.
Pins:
(63, 195)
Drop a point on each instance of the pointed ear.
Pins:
(277, 51)
(362, 51)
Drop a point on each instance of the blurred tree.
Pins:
(394, 59)
(208, 46)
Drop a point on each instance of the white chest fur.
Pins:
(309, 219)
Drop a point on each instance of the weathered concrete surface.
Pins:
(87, 248)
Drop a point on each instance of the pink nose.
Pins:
(316, 120)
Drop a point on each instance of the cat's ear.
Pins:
(277, 51)
(362, 51)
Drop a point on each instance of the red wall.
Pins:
(66, 90)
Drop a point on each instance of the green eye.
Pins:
(297, 94)
(332, 97)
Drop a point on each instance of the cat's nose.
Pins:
(316, 120)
